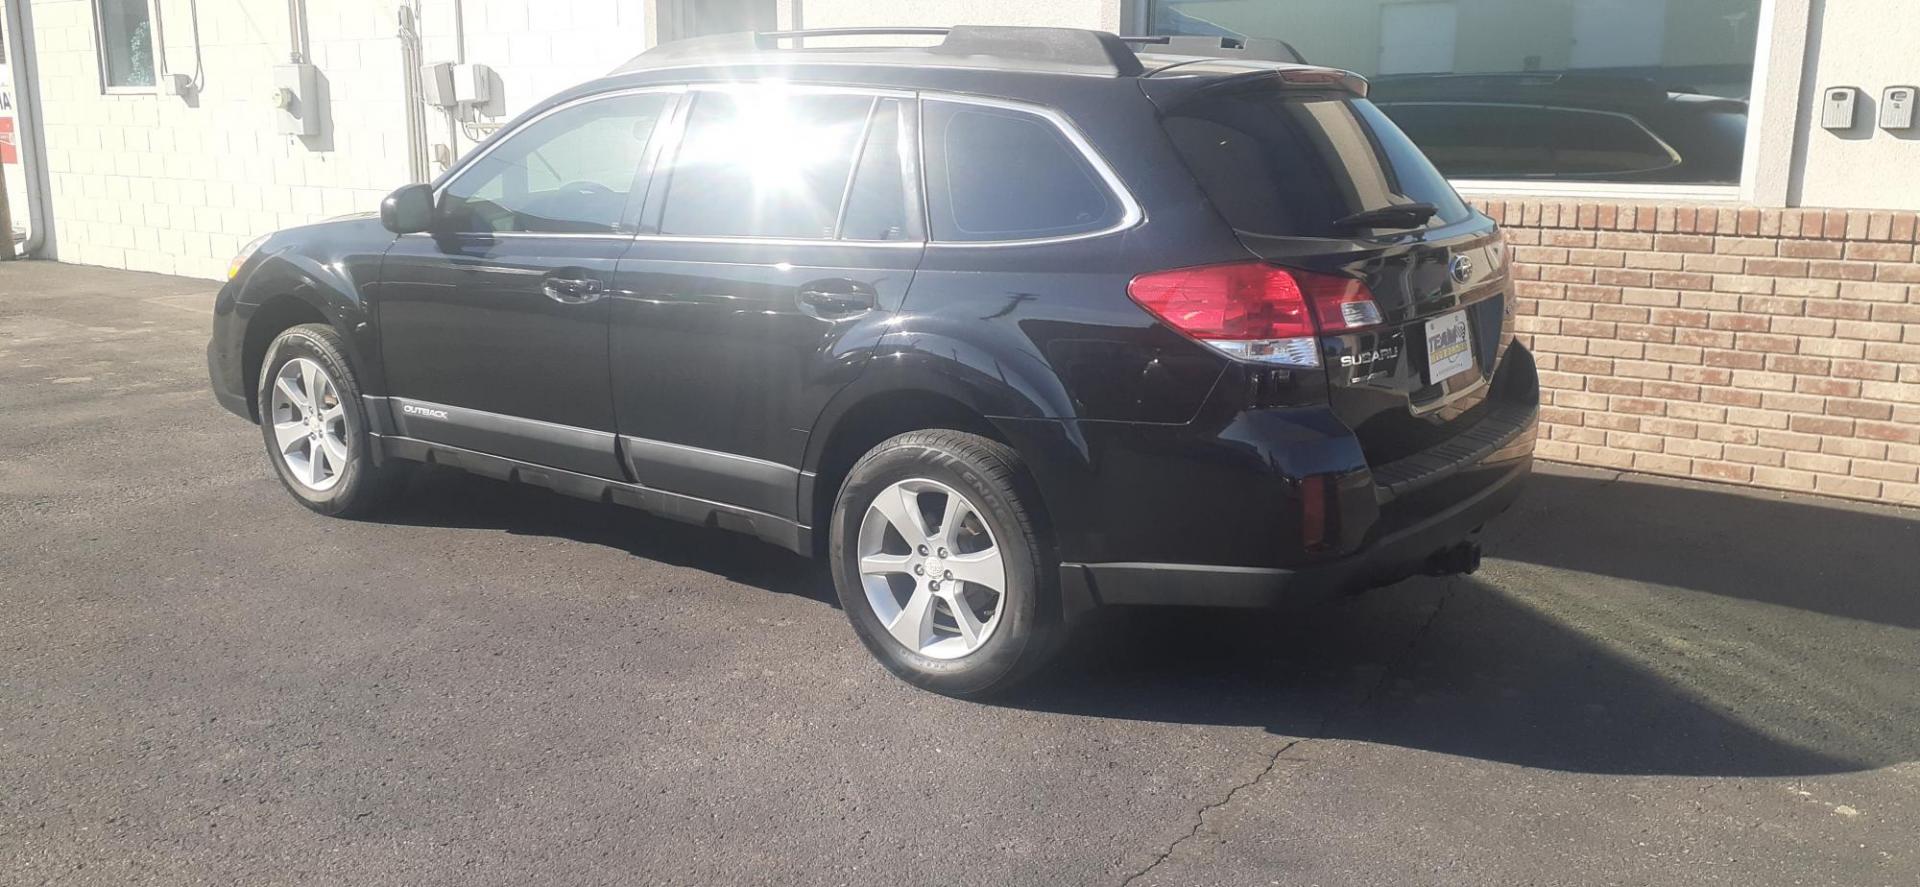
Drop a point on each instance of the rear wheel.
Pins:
(940, 563)
(315, 426)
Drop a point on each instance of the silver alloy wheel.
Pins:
(931, 569)
(309, 424)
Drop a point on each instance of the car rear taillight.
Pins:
(1256, 311)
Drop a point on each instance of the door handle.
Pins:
(837, 298)
(573, 290)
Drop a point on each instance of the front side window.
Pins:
(1000, 174)
(569, 172)
(764, 163)
(124, 29)
(1505, 89)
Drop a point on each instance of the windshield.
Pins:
(1290, 165)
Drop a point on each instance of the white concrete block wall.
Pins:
(161, 183)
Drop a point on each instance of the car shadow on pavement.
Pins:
(1620, 627)
(444, 497)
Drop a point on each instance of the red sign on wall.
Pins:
(9, 152)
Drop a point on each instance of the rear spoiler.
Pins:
(1225, 47)
(1174, 87)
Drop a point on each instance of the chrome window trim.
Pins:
(673, 130)
(1131, 213)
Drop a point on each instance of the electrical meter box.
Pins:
(296, 101)
(436, 85)
(473, 84)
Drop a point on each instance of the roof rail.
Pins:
(1069, 46)
(1251, 48)
(1096, 50)
(1085, 50)
(769, 37)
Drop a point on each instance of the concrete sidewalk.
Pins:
(1651, 683)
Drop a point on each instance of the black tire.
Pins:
(993, 477)
(363, 488)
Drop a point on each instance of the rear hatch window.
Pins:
(1284, 167)
(1281, 164)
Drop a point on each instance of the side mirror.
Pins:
(408, 210)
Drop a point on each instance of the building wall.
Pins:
(1871, 46)
(177, 185)
(1779, 348)
(1492, 35)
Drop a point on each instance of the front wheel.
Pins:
(315, 425)
(940, 563)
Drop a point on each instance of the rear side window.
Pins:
(764, 163)
(1292, 165)
(1000, 174)
(877, 202)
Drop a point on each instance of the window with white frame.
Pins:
(1642, 92)
(123, 29)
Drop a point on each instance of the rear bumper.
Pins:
(1216, 512)
(1388, 559)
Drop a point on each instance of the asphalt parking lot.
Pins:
(1650, 682)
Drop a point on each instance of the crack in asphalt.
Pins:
(1406, 651)
(1200, 816)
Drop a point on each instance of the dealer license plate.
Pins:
(1449, 347)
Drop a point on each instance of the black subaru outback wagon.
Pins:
(1007, 327)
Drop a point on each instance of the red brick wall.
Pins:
(1778, 348)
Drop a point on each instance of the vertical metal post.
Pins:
(6, 211)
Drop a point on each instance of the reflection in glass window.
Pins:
(1584, 90)
(764, 163)
(569, 172)
(125, 33)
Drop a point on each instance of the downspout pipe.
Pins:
(28, 130)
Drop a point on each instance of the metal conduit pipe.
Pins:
(411, 54)
(297, 31)
(32, 143)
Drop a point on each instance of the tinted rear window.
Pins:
(1292, 165)
(1001, 174)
